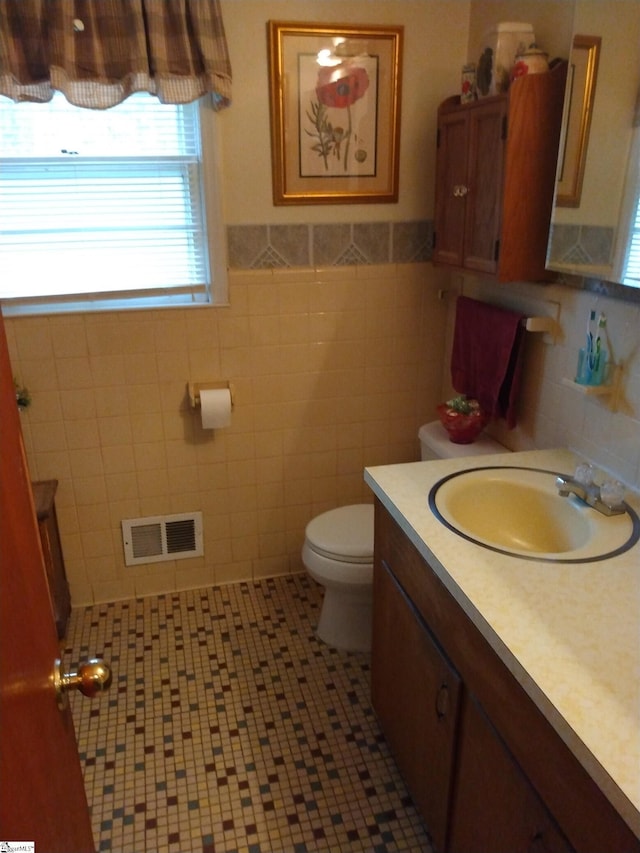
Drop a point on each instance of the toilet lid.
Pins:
(344, 534)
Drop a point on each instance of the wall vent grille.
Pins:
(162, 537)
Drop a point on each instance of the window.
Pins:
(627, 259)
(631, 275)
(106, 208)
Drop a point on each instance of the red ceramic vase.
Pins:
(462, 429)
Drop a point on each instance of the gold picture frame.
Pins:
(335, 96)
(581, 92)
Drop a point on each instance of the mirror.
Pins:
(599, 160)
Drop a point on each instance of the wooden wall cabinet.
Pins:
(492, 775)
(44, 492)
(495, 177)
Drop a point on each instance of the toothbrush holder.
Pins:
(591, 371)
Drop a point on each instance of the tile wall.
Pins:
(333, 369)
(552, 413)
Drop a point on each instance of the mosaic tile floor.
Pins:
(230, 728)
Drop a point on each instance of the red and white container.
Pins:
(532, 61)
(501, 46)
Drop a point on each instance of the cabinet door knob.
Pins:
(460, 190)
(442, 701)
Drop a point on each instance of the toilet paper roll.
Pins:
(215, 408)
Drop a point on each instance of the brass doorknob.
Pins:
(92, 677)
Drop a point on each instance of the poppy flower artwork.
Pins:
(342, 86)
(335, 94)
(341, 136)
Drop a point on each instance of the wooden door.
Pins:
(42, 795)
(535, 120)
(487, 135)
(451, 187)
(415, 693)
(495, 809)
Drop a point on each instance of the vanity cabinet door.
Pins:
(494, 807)
(415, 693)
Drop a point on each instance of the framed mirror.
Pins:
(598, 179)
(580, 94)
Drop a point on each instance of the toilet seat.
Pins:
(335, 571)
(344, 535)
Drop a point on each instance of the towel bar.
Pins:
(539, 324)
(531, 324)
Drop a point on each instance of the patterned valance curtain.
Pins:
(98, 52)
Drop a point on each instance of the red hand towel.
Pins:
(486, 359)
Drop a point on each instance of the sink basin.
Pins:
(518, 511)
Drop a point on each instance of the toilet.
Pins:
(435, 444)
(338, 551)
(338, 554)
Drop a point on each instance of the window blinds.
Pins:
(98, 202)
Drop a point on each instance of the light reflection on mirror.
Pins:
(594, 237)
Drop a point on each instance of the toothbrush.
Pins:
(589, 351)
(596, 363)
(602, 325)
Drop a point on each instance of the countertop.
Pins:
(570, 633)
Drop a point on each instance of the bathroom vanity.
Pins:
(507, 688)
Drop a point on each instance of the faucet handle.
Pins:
(584, 474)
(612, 493)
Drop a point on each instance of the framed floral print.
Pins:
(335, 112)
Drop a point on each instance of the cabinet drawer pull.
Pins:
(442, 701)
(537, 843)
(460, 191)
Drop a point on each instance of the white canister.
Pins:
(501, 46)
(532, 61)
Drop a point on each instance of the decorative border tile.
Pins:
(590, 245)
(331, 244)
(581, 244)
(256, 247)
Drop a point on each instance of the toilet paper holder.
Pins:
(194, 389)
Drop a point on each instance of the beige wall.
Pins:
(435, 44)
(334, 369)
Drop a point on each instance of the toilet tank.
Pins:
(435, 444)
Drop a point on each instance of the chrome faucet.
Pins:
(591, 494)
